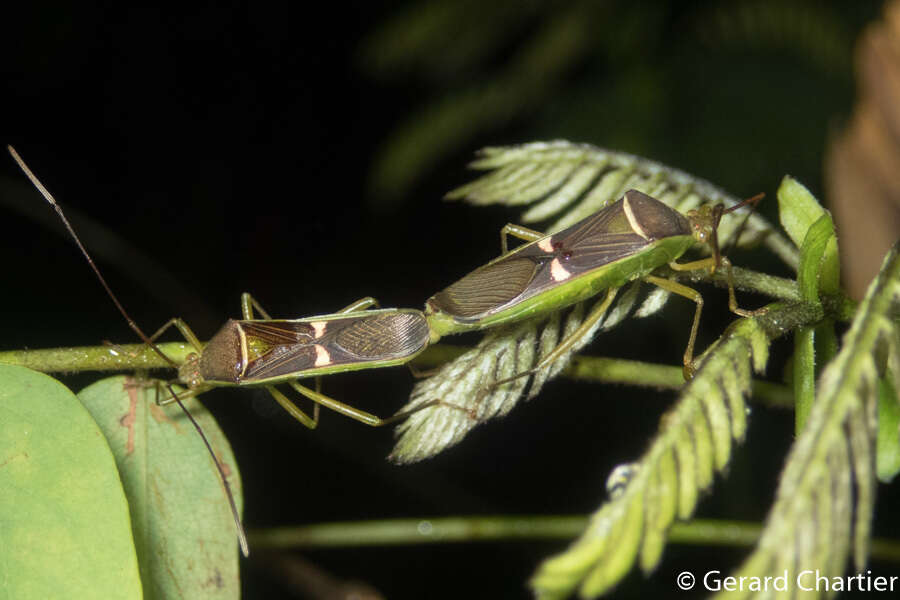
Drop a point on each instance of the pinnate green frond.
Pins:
(695, 441)
(466, 382)
(825, 499)
(571, 181)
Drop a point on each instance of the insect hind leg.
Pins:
(517, 231)
(347, 410)
(564, 346)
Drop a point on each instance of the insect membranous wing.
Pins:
(488, 287)
(381, 337)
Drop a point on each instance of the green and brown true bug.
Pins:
(265, 352)
(622, 242)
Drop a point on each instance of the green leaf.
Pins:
(183, 529)
(798, 211)
(797, 208)
(817, 243)
(695, 440)
(64, 520)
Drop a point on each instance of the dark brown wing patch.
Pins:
(277, 333)
(282, 360)
(486, 288)
(657, 220)
(354, 339)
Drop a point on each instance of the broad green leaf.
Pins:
(183, 529)
(64, 522)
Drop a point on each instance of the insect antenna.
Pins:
(242, 536)
(753, 201)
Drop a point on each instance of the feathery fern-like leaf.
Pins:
(695, 440)
(467, 381)
(825, 499)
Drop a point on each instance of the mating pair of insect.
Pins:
(627, 240)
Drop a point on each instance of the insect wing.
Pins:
(277, 348)
(306, 345)
(598, 240)
(380, 337)
(488, 287)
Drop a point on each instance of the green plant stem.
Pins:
(780, 319)
(134, 357)
(130, 357)
(445, 530)
(804, 375)
(615, 370)
(744, 280)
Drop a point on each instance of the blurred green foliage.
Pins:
(710, 86)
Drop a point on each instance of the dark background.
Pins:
(302, 156)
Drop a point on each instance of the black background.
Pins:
(236, 148)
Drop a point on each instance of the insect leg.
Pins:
(361, 304)
(188, 334)
(517, 231)
(354, 413)
(694, 265)
(692, 294)
(709, 263)
(185, 331)
(183, 395)
(248, 303)
(178, 324)
(732, 301)
(566, 345)
(422, 373)
(293, 410)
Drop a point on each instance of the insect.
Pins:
(264, 352)
(624, 241)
